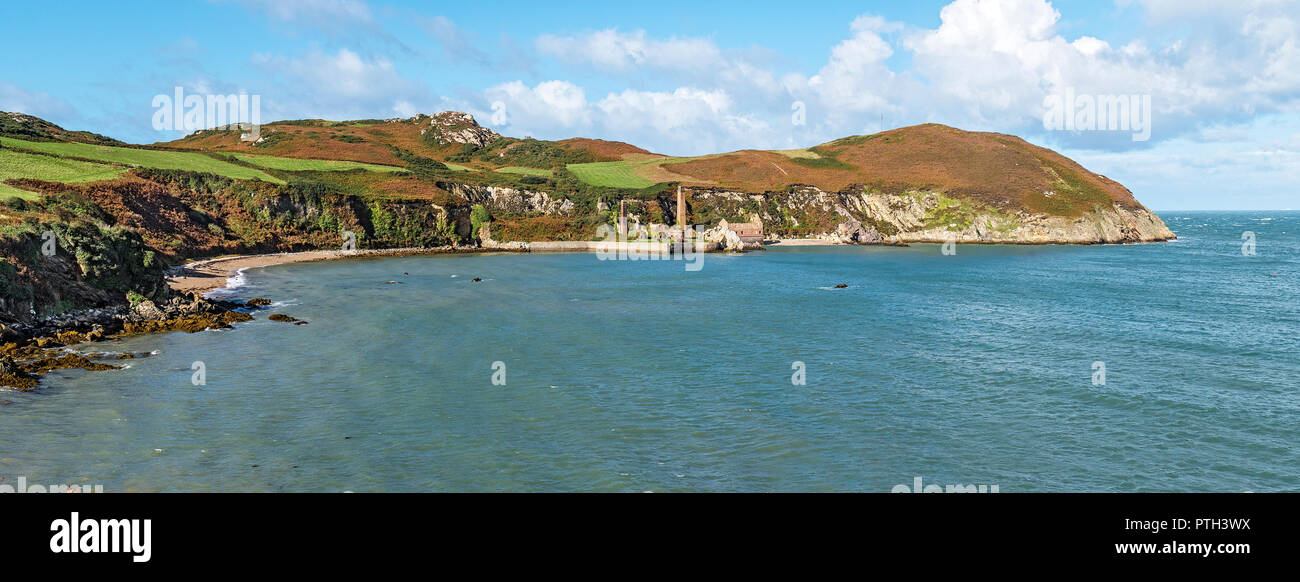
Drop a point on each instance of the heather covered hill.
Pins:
(450, 137)
(997, 170)
(27, 127)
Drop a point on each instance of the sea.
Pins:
(1111, 368)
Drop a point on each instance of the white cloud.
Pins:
(612, 50)
(551, 108)
(337, 86)
(856, 78)
(685, 119)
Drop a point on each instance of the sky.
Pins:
(686, 78)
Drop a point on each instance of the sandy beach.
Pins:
(210, 274)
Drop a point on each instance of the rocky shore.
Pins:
(29, 352)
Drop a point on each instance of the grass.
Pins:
(524, 171)
(298, 165)
(7, 191)
(163, 160)
(621, 174)
(457, 168)
(15, 164)
(804, 153)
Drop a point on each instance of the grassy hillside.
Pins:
(524, 171)
(163, 160)
(993, 169)
(299, 165)
(15, 164)
(26, 127)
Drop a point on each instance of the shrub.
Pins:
(478, 216)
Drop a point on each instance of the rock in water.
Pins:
(853, 232)
(722, 233)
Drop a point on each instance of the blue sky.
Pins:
(698, 77)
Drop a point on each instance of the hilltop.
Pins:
(996, 169)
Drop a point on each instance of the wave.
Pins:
(232, 285)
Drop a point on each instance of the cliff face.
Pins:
(808, 212)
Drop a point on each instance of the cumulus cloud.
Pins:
(686, 119)
(989, 65)
(550, 108)
(612, 50)
(338, 86)
(999, 60)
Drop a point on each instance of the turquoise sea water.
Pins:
(635, 376)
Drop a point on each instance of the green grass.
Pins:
(298, 165)
(622, 174)
(164, 160)
(456, 167)
(49, 168)
(525, 171)
(7, 191)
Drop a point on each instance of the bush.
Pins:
(478, 216)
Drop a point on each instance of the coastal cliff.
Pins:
(75, 243)
(928, 217)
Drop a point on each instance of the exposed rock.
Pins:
(13, 376)
(722, 234)
(509, 200)
(931, 217)
(459, 127)
(258, 302)
(853, 232)
(188, 323)
(147, 309)
(7, 365)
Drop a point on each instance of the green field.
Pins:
(622, 174)
(456, 167)
(524, 171)
(11, 192)
(49, 168)
(163, 160)
(297, 164)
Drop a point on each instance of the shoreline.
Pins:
(208, 275)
